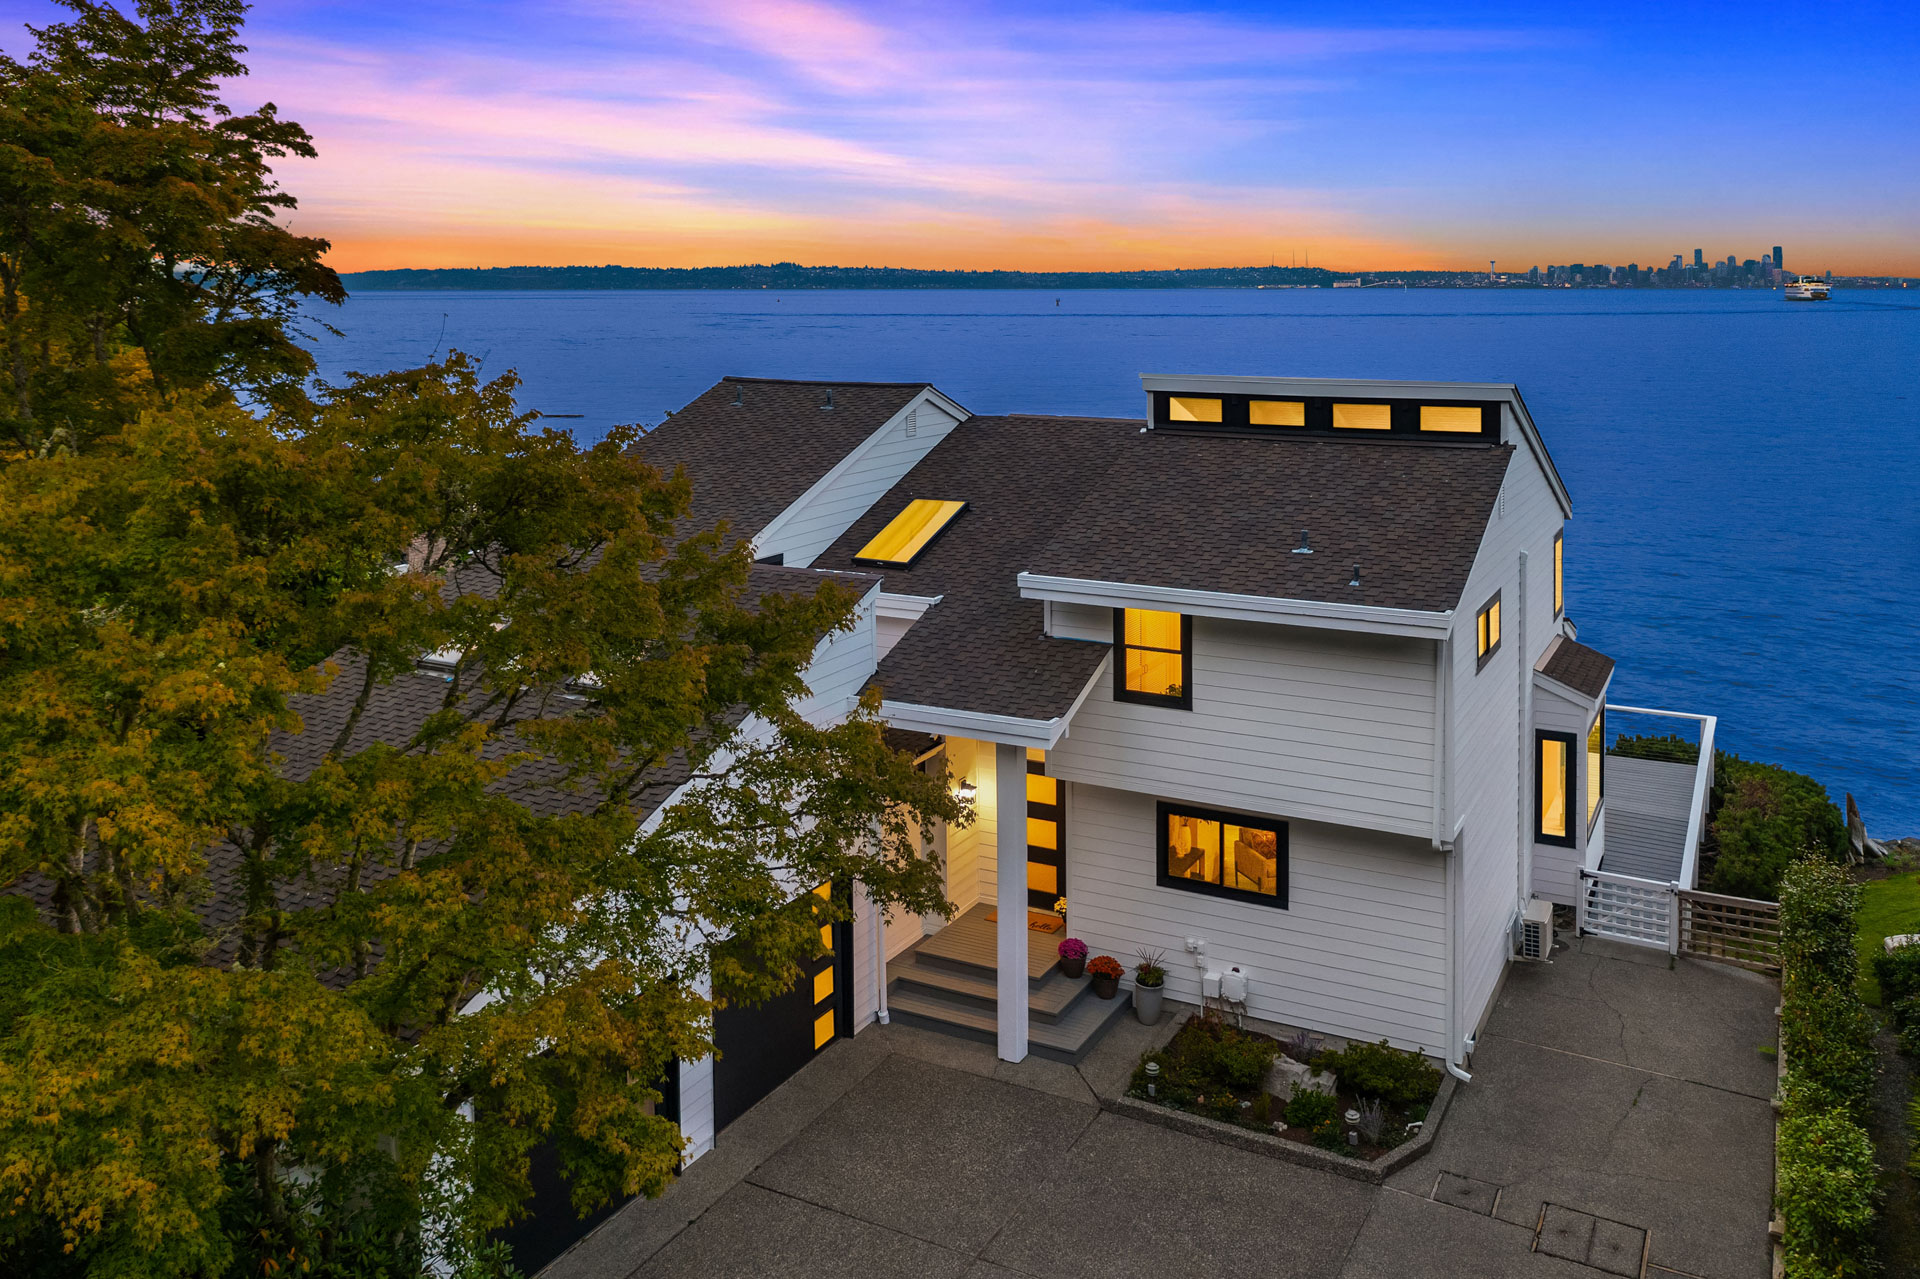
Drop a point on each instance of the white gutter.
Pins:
(1411, 623)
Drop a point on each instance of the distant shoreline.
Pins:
(792, 277)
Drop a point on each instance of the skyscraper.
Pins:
(1700, 260)
(1777, 259)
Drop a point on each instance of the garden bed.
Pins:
(1226, 1083)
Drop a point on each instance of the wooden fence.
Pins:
(1733, 930)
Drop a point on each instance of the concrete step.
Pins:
(1067, 1039)
(1047, 1000)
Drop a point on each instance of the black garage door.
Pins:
(551, 1225)
(760, 1047)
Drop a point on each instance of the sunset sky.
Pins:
(1092, 135)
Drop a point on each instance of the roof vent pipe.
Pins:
(829, 403)
(1356, 576)
(1304, 548)
(737, 401)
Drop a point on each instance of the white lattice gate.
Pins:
(1644, 912)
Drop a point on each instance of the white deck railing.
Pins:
(1702, 787)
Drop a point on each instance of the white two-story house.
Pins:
(1274, 679)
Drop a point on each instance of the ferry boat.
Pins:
(1808, 288)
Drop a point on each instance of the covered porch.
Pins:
(1005, 875)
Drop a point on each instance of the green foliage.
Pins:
(1826, 1173)
(1896, 975)
(1381, 1070)
(1329, 1134)
(1668, 747)
(1827, 1194)
(1309, 1108)
(141, 260)
(1887, 906)
(1207, 1065)
(1763, 818)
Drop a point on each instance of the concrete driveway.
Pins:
(1618, 1122)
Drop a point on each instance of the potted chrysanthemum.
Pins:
(1073, 956)
(1105, 971)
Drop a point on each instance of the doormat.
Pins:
(1040, 921)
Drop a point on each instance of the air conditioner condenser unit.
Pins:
(1533, 931)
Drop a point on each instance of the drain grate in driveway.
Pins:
(1612, 1246)
(1466, 1192)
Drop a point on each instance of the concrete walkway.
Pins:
(1618, 1122)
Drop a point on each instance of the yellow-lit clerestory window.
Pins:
(1454, 418)
(1559, 574)
(900, 543)
(1192, 408)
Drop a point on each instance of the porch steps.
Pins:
(948, 983)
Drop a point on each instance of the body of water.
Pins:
(1746, 531)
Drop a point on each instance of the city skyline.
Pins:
(1091, 137)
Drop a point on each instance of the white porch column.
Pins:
(1010, 896)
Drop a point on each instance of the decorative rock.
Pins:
(1288, 1077)
(1898, 940)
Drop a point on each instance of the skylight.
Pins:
(899, 544)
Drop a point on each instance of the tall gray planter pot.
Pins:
(1146, 1003)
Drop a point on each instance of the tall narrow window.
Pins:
(1553, 787)
(1559, 574)
(1222, 854)
(1153, 657)
(1596, 765)
(1486, 630)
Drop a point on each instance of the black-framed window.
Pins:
(1205, 850)
(1153, 657)
(1596, 766)
(1559, 573)
(1348, 417)
(1486, 631)
(1553, 792)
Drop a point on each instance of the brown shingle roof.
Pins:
(1224, 513)
(982, 648)
(1582, 669)
(750, 461)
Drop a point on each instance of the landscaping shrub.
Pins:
(1241, 1061)
(1329, 1135)
(1828, 1194)
(1898, 974)
(1764, 817)
(1383, 1071)
(1309, 1109)
(1670, 747)
(1826, 1174)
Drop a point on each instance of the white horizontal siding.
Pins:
(1359, 952)
(1287, 720)
(1492, 748)
(971, 856)
(808, 527)
(1079, 622)
(867, 964)
(842, 664)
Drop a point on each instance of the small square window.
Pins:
(1153, 657)
(1486, 630)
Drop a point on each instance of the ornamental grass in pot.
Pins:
(1105, 971)
(1149, 984)
(1073, 956)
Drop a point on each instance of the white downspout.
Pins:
(879, 959)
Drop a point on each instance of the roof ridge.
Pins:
(797, 381)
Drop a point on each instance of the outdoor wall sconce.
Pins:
(966, 790)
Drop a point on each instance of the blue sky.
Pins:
(1094, 135)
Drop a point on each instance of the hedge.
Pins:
(1827, 1190)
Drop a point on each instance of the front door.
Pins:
(1046, 834)
(759, 1047)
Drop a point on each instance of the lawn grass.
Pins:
(1887, 906)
